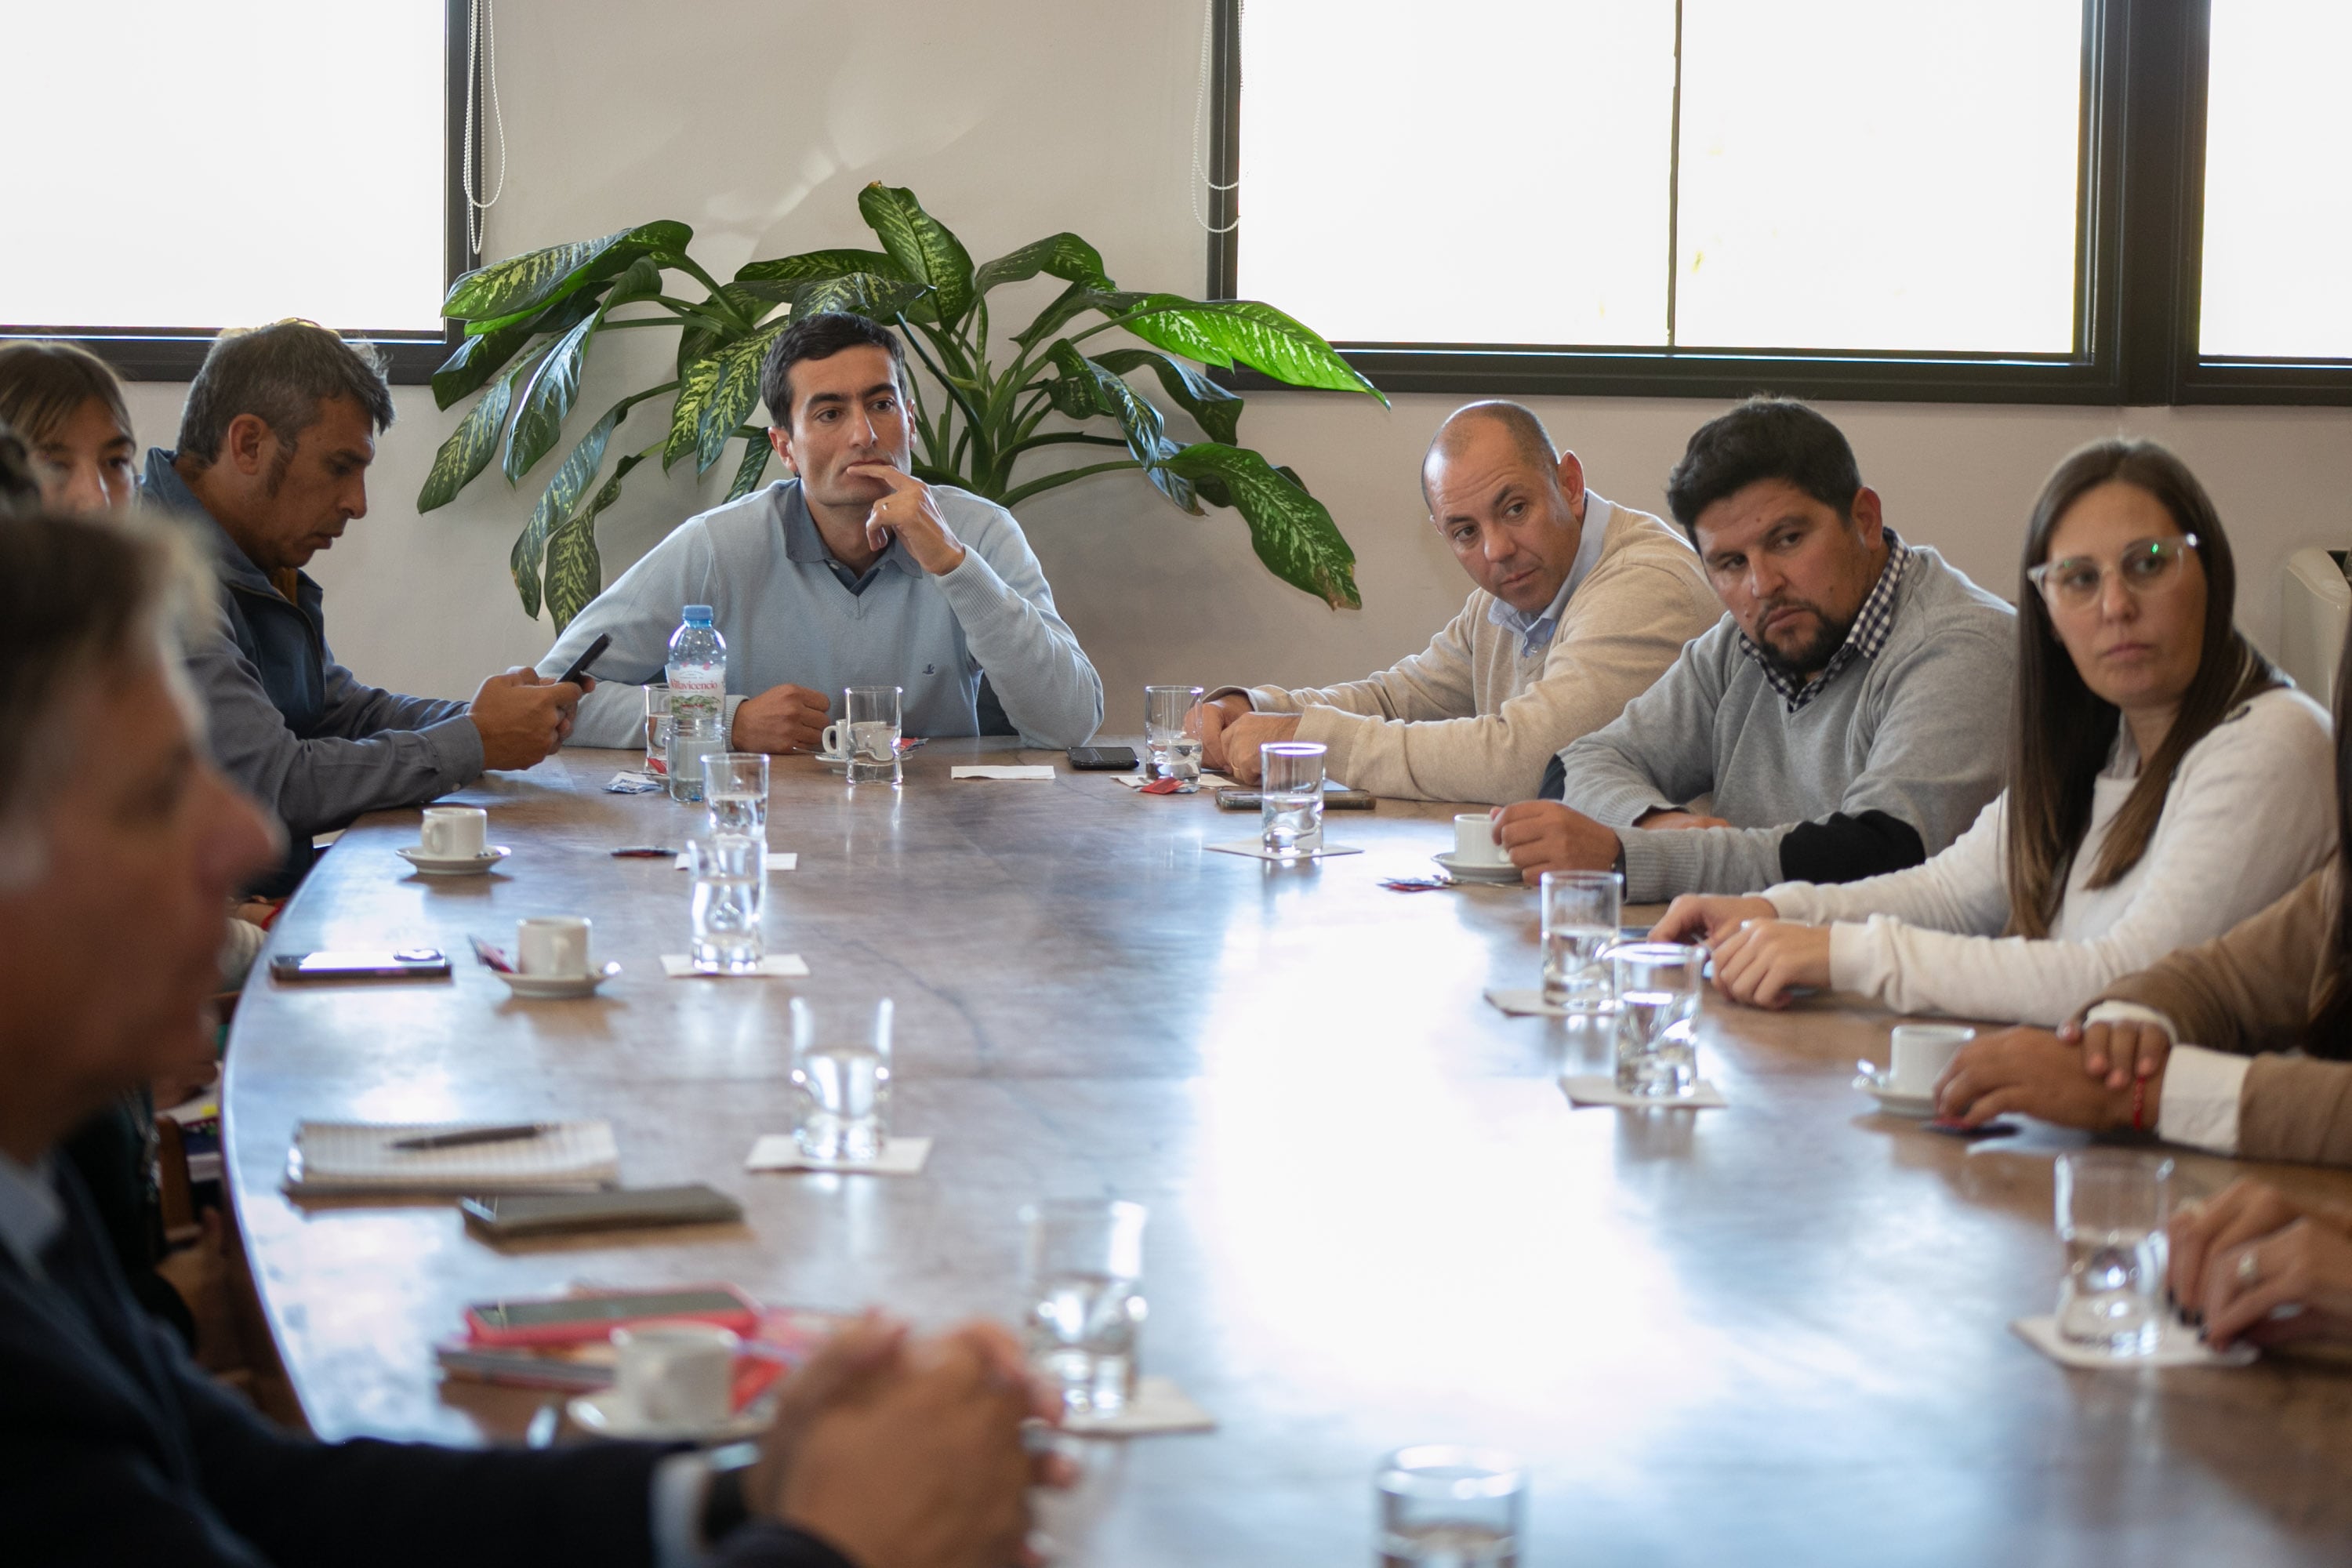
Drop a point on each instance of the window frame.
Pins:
(156, 353)
(2140, 248)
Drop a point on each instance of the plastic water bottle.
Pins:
(698, 700)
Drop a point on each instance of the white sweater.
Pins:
(2250, 814)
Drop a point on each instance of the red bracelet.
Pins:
(2139, 1103)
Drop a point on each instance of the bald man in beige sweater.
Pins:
(1579, 606)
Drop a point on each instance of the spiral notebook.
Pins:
(355, 1157)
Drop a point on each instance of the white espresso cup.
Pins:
(454, 832)
(1474, 840)
(553, 945)
(677, 1375)
(1917, 1055)
(873, 742)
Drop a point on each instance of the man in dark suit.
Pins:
(119, 846)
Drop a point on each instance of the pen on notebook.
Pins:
(460, 1139)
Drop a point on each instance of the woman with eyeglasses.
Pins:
(2162, 783)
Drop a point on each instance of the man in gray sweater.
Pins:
(1848, 716)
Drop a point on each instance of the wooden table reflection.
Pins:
(1771, 1333)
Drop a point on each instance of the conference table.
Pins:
(1777, 1332)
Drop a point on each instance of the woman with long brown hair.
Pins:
(66, 407)
(2161, 782)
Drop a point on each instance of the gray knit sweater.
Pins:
(1884, 765)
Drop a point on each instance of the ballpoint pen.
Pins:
(471, 1135)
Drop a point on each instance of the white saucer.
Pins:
(1918, 1107)
(1468, 872)
(607, 1415)
(556, 987)
(453, 865)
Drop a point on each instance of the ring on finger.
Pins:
(2250, 1268)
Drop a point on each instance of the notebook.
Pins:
(335, 1157)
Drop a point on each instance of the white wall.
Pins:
(758, 120)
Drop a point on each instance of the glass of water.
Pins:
(1172, 730)
(2113, 1207)
(1290, 798)
(1580, 926)
(1085, 1274)
(657, 731)
(1447, 1506)
(1657, 996)
(731, 881)
(735, 788)
(871, 713)
(841, 1077)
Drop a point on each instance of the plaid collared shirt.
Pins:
(1866, 637)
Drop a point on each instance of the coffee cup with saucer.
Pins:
(671, 1381)
(1476, 858)
(552, 960)
(449, 843)
(1917, 1055)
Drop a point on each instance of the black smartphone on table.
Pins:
(622, 1208)
(404, 963)
(1335, 798)
(1103, 759)
(595, 651)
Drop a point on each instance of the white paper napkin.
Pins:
(680, 966)
(635, 784)
(1525, 1003)
(778, 860)
(1136, 781)
(1159, 1405)
(1600, 1090)
(2178, 1347)
(782, 1151)
(1257, 850)
(1004, 771)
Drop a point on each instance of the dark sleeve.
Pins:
(1846, 848)
(771, 1546)
(1555, 779)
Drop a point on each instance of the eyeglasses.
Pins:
(2146, 565)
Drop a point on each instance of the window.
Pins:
(233, 162)
(2009, 200)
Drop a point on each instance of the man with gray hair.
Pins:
(1579, 605)
(275, 442)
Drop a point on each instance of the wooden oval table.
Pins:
(1771, 1333)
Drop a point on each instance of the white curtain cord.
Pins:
(482, 67)
(1199, 119)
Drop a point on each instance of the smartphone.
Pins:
(595, 651)
(406, 964)
(1334, 799)
(540, 1214)
(573, 1319)
(1107, 759)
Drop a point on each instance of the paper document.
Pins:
(358, 1157)
(1041, 771)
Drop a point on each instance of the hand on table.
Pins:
(1709, 917)
(1241, 739)
(912, 512)
(1542, 836)
(1763, 960)
(780, 719)
(2301, 1258)
(2034, 1072)
(1212, 719)
(2119, 1051)
(523, 716)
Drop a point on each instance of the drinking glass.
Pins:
(657, 729)
(1580, 926)
(2112, 1208)
(692, 737)
(1657, 997)
(871, 713)
(1290, 798)
(731, 880)
(735, 788)
(1172, 730)
(841, 1077)
(1447, 1506)
(1085, 1273)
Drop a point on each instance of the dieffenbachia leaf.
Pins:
(1223, 333)
(734, 392)
(495, 296)
(557, 502)
(748, 472)
(1292, 531)
(921, 245)
(1070, 304)
(811, 265)
(1089, 389)
(1217, 411)
(467, 450)
(477, 359)
(1064, 256)
(553, 386)
(869, 294)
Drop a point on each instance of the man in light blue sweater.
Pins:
(1848, 716)
(851, 572)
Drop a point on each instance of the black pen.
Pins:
(520, 1130)
(644, 852)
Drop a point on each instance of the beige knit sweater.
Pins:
(1469, 718)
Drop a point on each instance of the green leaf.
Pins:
(748, 472)
(1064, 256)
(556, 503)
(493, 296)
(812, 264)
(1225, 331)
(480, 358)
(733, 395)
(696, 382)
(1138, 421)
(467, 450)
(1069, 305)
(866, 294)
(921, 245)
(547, 400)
(575, 572)
(1292, 531)
(1216, 410)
